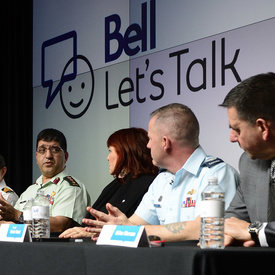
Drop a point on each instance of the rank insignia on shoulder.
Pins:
(210, 162)
(7, 190)
(71, 181)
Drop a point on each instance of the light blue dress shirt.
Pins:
(173, 198)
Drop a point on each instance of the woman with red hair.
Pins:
(130, 163)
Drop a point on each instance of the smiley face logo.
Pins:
(76, 95)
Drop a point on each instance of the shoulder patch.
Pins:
(212, 162)
(71, 181)
(7, 190)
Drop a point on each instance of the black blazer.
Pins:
(125, 196)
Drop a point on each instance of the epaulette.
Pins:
(71, 181)
(7, 190)
(210, 162)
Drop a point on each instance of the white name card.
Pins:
(123, 235)
(15, 233)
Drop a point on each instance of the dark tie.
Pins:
(271, 205)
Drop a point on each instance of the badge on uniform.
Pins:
(51, 198)
(188, 202)
(157, 205)
(191, 192)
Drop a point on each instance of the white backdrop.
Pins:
(196, 26)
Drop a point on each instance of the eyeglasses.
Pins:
(53, 149)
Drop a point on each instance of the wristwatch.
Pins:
(20, 218)
(254, 229)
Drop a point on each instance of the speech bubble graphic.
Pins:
(52, 48)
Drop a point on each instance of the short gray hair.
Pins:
(180, 121)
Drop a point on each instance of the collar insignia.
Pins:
(56, 180)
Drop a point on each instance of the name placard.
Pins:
(15, 233)
(123, 235)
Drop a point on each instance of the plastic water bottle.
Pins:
(212, 215)
(27, 214)
(40, 216)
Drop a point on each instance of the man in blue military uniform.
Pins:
(68, 197)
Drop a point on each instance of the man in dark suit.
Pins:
(251, 113)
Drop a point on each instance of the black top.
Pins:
(125, 196)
